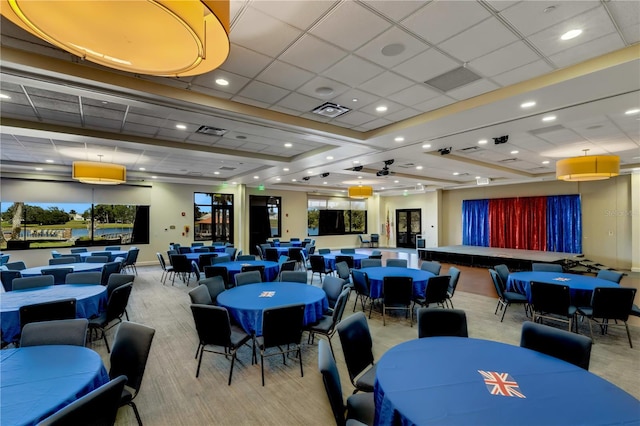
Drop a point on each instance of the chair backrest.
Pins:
(112, 248)
(55, 332)
(612, 303)
(454, 276)
(348, 251)
(108, 269)
(170, 253)
(163, 263)
(118, 280)
(117, 302)
(324, 251)
(442, 322)
(397, 290)
(295, 253)
(294, 276)
(503, 273)
(217, 271)
(345, 258)
(317, 263)
(376, 253)
(184, 250)
(332, 287)
(75, 256)
(200, 296)
(4, 258)
(205, 260)
(16, 266)
(195, 269)
(7, 278)
(360, 281)
(84, 278)
(79, 250)
(550, 298)
(283, 258)
(357, 345)
(375, 238)
(55, 254)
(289, 265)
(245, 257)
(608, 275)
(282, 325)
(260, 252)
(219, 259)
(61, 260)
(342, 269)
(331, 380)
(375, 256)
(340, 306)
(397, 262)
(271, 254)
(98, 407)
(180, 263)
(197, 244)
(215, 286)
(565, 345)
(433, 267)
(497, 282)
(59, 274)
(258, 268)
(130, 351)
(436, 291)
(48, 311)
(212, 324)
(546, 267)
(231, 251)
(32, 282)
(95, 259)
(370, 263)
(250, 277)
(107, 254)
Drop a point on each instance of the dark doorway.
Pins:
(264, 219)
(408, 226)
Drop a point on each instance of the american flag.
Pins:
(501, 384)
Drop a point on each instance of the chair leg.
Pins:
(233, 360)
(104, 336)
(300, 356)
(201, 349)
(504, 311)
(135, 411)
(384, 322)
(262, 367)
(628, 334)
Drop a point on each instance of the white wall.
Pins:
(429, 205)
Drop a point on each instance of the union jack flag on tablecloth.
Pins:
(501, 384)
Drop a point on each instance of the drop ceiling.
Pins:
(450, 74)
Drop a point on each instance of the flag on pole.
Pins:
(388, 227)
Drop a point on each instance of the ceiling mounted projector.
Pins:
(306, 178)
(324, 175)
(445, 151)
(501, 139)
(383, 172)
(357, 168)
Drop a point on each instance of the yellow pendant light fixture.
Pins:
(153, 37)
(360, 191)
(589, 167)
(99, 173)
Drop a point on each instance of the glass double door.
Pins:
(408, 227)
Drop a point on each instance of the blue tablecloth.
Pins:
(245, 304)
(114, 254)
(77, 267)
(214, 249)
(285, 251)
(377, 274)
(196, 256)
(271, 269)
(291, 243)
(90, 301)
(330, 259)
(37, 381)
(581, 285)
(436, 380)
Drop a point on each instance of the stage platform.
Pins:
(488, 257)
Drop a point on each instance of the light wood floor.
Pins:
(171, 395)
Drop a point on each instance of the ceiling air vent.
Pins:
(544, 130)
(453, 79)
(509, 160)
(329, 109)
(213, 131)
(227, 168)
(470, 149)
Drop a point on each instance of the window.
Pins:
(213, 217)
(275, 218)
(43, 225)
(336, 216)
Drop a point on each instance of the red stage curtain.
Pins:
(518, 223)
(501, 212)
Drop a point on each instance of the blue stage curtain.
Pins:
(564, 224)
(475, 222)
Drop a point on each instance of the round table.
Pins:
(376, 277)
(77, 267)
(37, 381)
(245, 303)
(330, 259)
(271, 269)
(581, 285)
(196, 256)
(113, 253)
(455, 380)
(285, 251)
(91, 300)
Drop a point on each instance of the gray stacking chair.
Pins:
(83, 278)
(200, 296)
(250, 277)
(433, 267)
(32, 282)
(294, 276)
(545, 267)
(442, 322)
(55, 332)
(397, 262)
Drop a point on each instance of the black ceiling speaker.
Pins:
(324, 175)
(388, 163)
(501, 139)
(383, 172)
(306, 178)
(357, 168)
(445, 151)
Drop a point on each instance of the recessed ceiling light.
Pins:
(545, 162)
(382, 187)
(354, 100)
(294, 180)
(48, 161)
(216, 173)
(515, 152)
(549, 118)
(528, 104)
(482, 142)
(571, 34)
(142, 169)
(399, 139)
(154, 177)
(181, 126)
(278, 179)
(632, 111)
(310, 172)
(396, 181)
(381, 108)
(456, 173)
(478, 177)
(419, 167)
(3, 96)
(329, 157)
(324, 183)
(234, 183)
(39, 169)
(286, 169)
(356, 162)
(288, 145)
(256, 177)
(359, 177)
(426, 145)
(222, 82)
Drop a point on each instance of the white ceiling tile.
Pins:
(504, 59)
(483, 38)
(249, 101)
(434, 103)
(372, 51)
(588, 50)
(403, 114)
(530, 17)
(214, 92)
(262, 33)
(522, 73)
(426, 66)
(300, 14)
(594, 24)
(310, 87)
(413, 95)
(355, 118)
(396, 9)
(470, 90)
(631, 33)
(627, 15)
(386, 84)
(316, 117)
(380, 122)
(501, 4)
(298, 102)
(312, 54)
(347, 98)
(284, 110)
(284, 75)
(263, 92)
(245, 62)
(440, 20)
(208, 82)
(340, 28)
(352, 70)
